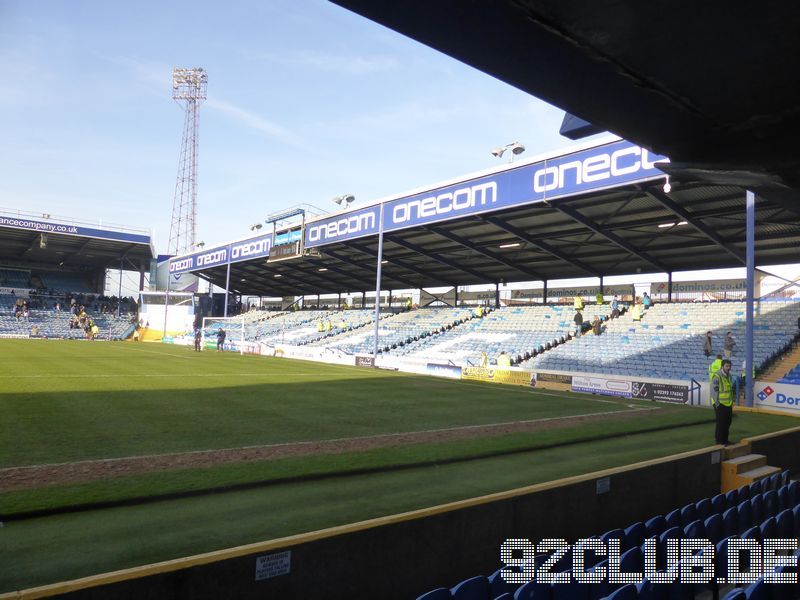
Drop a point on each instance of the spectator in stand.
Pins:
(504, 360)
(708, 344)
(578, 303)
(729, 344)
(637, 310)
(597, 325)
(578, 318)
(614, 307)
(646, 301)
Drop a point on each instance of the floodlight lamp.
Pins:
(255, 226)
(667, 186)
(517, 148)
(344, 199)
(498, 152)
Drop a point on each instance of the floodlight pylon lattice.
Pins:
(189, 90)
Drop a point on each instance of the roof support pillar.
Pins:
(497, 295)
(669, 286)
(751, 273)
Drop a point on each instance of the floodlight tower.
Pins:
(188, 90)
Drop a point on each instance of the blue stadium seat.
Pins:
(498, 585)
(626, 592)
(673, 518)
(632, 561)
(634, 535)
(785, 477)
(745, 510)
(785, 524)
(647, 590)
(533, 591)
(757, 509)
(474, 588)
(768, 529)
(688, 514)
(758, 591)
(437, 594)
(655, 526)
(713, 527)
(718, 504)
(695, 530)
(785, 591)
(569, 591)
(730, 522)
(771, 503)
(794, 493)
(704, 509)
(754, 533)
(783, 497)
(732, 498)
(735, 594)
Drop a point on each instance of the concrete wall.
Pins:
(405, 555)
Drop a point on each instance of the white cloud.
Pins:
(341, 64)
(256, 122)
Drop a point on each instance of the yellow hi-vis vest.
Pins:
(578, 303)
(725, 394)
(713, 368)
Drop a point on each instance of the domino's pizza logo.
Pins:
(765, 393)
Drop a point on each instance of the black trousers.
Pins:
(724, 415)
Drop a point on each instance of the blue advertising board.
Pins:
(257, 247)
(66, 229)
(597, 168)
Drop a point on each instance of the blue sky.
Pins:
(306, 101)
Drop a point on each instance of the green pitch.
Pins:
(64, 402)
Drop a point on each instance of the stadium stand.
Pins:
(295, 328)
(765, 509)
(14, 278)
(47, 322)
(519, 331)
(792, 376)
(668, 341)
(399, 330)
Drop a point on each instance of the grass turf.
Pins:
(70, 401)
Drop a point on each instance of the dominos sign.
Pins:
(780, 396)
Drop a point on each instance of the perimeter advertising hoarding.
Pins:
(778, 396)
(67, 229)
(625, 388)
(365, 361)
(447, 371)
(601, 385)
(508, 376)
(660, 392)
(597, 168)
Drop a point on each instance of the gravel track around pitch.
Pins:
(35, 476)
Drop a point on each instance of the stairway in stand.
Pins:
(783, 365)
(741, 467)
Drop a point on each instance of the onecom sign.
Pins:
(597, 168)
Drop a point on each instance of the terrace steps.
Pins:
(741, 467)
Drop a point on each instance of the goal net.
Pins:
(224, 333)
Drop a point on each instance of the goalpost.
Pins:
(233, 327)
